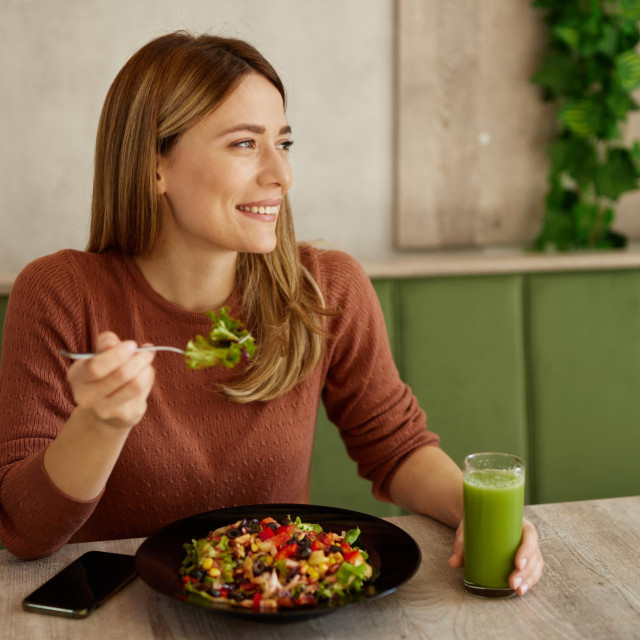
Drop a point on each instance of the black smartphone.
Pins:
(82, 586)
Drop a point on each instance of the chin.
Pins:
(264, 246)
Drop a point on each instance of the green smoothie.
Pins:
(493, 502)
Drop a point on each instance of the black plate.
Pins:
(392, 551)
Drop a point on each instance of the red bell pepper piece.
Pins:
(280, 539)
(287, 551)
(256, 600)
(265, 534)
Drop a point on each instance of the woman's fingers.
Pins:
(127, 405)
(457, 559)
(114, 385)
(529, 562)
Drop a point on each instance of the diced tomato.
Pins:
(287, 551)
(286, 528)
(318, 546)
(280, 539)
(256, 600)
(346, 547)
(354, 557)
(265, 534)
(224, 592)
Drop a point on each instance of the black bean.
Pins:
(253, 526)
(232, 534)
(334, 549)
(273, 526)
(198, 575)
(214, 592)
(238, 597)
(304, 552)
(259, 568)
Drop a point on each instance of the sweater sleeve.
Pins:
(45, 312)
(377, 414)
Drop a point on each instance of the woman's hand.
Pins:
(529, 562)
(115, 384)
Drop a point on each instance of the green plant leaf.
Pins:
(630, 9)
(582, 116)
(608, 43)
(575, 156)
(568, 35)
(557, 74)
(617, 175)
(628, 70)
(618, 104)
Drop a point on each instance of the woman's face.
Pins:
(226, 177)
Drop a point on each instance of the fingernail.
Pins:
(525, 588)
(523, 563)
(131, 345)
(516, 583)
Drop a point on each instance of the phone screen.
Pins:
(83, 585)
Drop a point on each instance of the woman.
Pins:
(189, 214)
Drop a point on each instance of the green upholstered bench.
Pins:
(544, 365)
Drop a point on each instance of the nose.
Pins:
(275, 170)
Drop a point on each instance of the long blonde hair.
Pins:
(165, 88)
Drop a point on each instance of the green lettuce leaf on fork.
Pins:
(227, 342)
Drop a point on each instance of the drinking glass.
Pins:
(493, 503)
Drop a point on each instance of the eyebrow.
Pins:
(255, 128)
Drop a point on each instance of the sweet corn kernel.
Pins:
(322, 567)
(254, 547)
(312, 573)
(214, 572)
(207, 564)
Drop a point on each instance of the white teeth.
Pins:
(266, 210)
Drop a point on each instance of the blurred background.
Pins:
(419, 137)
(58, 59)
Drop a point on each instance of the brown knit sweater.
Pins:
(193, 451)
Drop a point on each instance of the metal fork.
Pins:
(87, 356)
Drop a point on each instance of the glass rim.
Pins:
(468, 459)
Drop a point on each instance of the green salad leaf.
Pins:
(352, 535)
(227, 342)
(304, 526)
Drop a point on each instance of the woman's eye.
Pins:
(245, 144)
(286, 145)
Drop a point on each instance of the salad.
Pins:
(226, 343)
(265, 565)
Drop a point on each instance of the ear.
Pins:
(161, 171)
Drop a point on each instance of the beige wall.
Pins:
(58, 58)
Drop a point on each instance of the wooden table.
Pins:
(590, 589)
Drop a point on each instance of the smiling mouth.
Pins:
(263, 210)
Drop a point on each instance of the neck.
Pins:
(192, 280)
